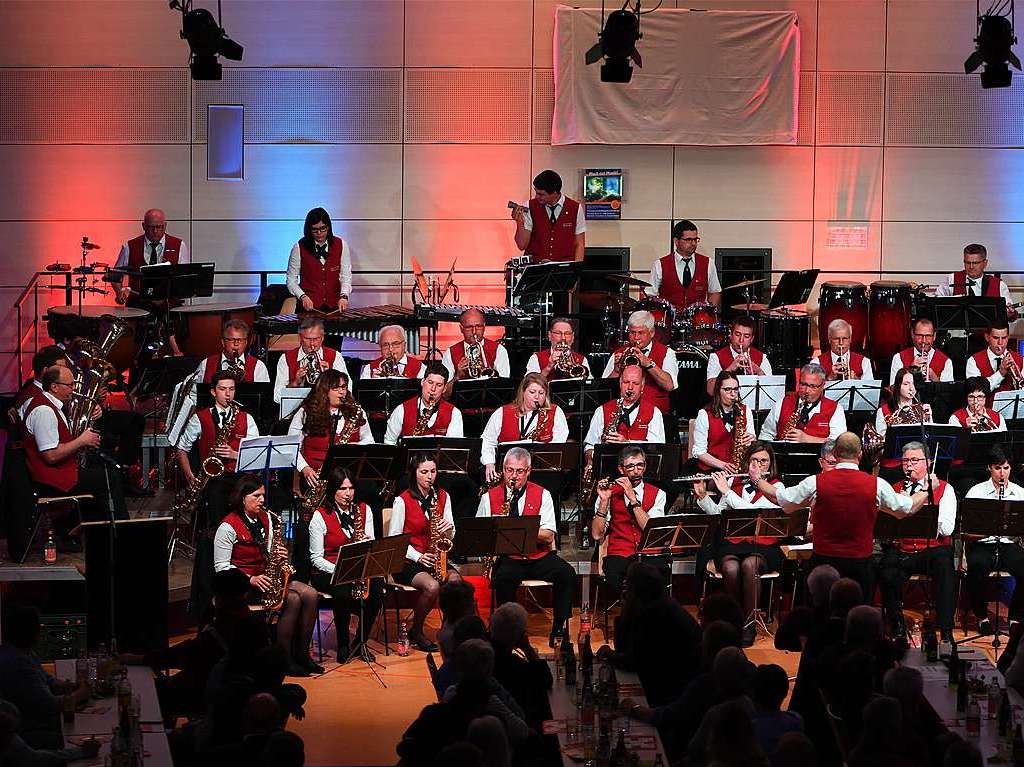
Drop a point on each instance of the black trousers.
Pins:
(344, 606)
(895, 567)
(982, 560)
(615, 569)
(859, 569)
(509, 573)
(92, 480)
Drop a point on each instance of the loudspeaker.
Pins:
(738, 265)
(225, 142)
(598, 262)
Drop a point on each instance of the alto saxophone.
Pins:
(793, 421)
(423, 420)
(314, 497)
(543, 416)
(504, 511)
(739, 430)
(360, 588)
(279, 570)
(211, 466)
(312, 369)
(612, 426)
(440, 544)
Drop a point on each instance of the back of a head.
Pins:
(795, 750)
(262, 714)
(230, 588)
(961, 753)
(645, 582)
(732, 672)
(905, 684)
(21, 626)
(883, 723)
(844, 595)
(10, 721)
(474, 659)
(720, 606)
(488, 734)
(855, 676)
(819, 584)
(461, 753)
(508, 624)
(283, 749)
(717, 636)
(457, 599)
(469, 627)
(732, 739)
(770, 686)
(863, 626)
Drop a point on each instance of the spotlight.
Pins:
(206, 40)
(616, 44)
(995, 37)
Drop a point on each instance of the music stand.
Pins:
(257, 398)
(762, 392)
(261, 454)
(1009, 404)
(382, 395)
(946, 443)
(555, 456)
(162, 374)
(580, 398)
(379, 464)
(482, 394)
(924, 523)
(170, 282)
(496, 536)
(291, 398)
(547, 279)
(362, 561)
(971, 313)
(794, 288)
(452, 455)
(677, 534)
(855, 394)
(796, 460)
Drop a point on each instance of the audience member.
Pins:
(770, 687)
(456, 600)
(283, 749)
(459, 754)
(923, 729)
(799, 622)
(794, 750)
(488, 734)
(468, 627)
(960, 753)
(721, 606)
(881, 740)
(730, 739)
(733, 675)
(526, 677)
(15, 752)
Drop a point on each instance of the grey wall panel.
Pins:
(849, 108)
(467, 106)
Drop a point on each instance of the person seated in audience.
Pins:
(560, 361)
(769, 688)
(456, 599)
(742, 561)
(38, 695)
(922, 727)
(840, 363)
(303, 365)
(795, 628)
(658, 361)
(718, 426)
(997, 364)
(882, 742)
(731, 738)
(795, 750)
(394, 361)
(487, 733)
(733, 674)
(994, 553)
(15, 752)
(721, 606)
(626, 419)
(923, 357)
(962, 753)
(474, 354)
(739, 355)
(467, 627)
(261, 718)
(518, 667)
(977, 415)
(863, 633)
(805, 415)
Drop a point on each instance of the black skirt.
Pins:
(771, 553)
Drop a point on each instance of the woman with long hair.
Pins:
(715, 429)
(319, 266)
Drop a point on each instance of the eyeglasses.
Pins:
(730, 388)
(829, 461)
(974, 263)
(807, 385)
(319, 228)
(913, 461)
(690, 239)
(761, 461)
(631, 466)
(391, 344)
(154, 226)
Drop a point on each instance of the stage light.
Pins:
(994, 41)
(206, 40)
(616, 44)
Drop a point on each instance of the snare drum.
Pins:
(785, 338)
(198, 327)
(889, 319)
(701, 325)
(66, 322)
(848, 301)
(664, 317)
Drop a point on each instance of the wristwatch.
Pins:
(343, 295)
(650, 367)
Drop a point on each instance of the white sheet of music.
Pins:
(865, 398)
(762, 392)
(1009, 404)
(291, 398)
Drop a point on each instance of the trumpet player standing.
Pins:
(302, 366)
(475, 357)
(977, 416)
(738, 356)
(394, 361)
(805, 415)
(1000, 366)
(657, 360)
(560, 360)
(840, 363)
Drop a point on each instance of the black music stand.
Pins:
(175, 282)
(761, 393)
(662, 460)
(162, 374)
(946, 443)
(796, 459)
(545, 456)
(362, 561)
(380, 464)
(382, 395)
(580, 398)
(496, 536)
(257, 398)
(547, 280)
(261, 454)
(794, 288)
(971, 313)
(924, 523)
(453, 455)
(482, 394)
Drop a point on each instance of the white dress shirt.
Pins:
(122, 256)
(655, 430)
(947, 505)
(714, 286)
(715, 364)
(866, 372)
(805, 493)
(193, 428)
(581, 220)
(295, 265)
(897, 364)
(317, 532)
(282, 379)
(28, 400)
(559, 433)
(501, 363)
(366, 371)
(547, 509)
(743, 500)
(396, 421)
(986, 489)
(42, 424)
(657, 510)
(945, 289)
(702, 425)
(836, 424)
(670, 365)
(533, 366)
(224, 543)
(996, 378)
(299, 420)
(259, 374)
(397, 522)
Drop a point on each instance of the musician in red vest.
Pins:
(996, 362)
(394, 361)
(973, 281)
(234, 340)
(526, 499)
(742, 561)
(294, 366)
(410, 514)
(926, 556)
(244, 541)
(844, 503)
(551, 227)
(320, 266)
(445, 419)
(932, 364)
(684, 276)
(805, 415)
(552, 362)
(621, 512)
(42, 360)
(657, 360)
(153, 246)
(977, 416)
(839, 362)
(341, 520)
(490, 355)
(739, 355)
(626, 419)
(716, 427)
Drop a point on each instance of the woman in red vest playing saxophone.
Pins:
(717, 426)
(245, 541)
(320, 266)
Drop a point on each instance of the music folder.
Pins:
(496, 536)
(924, 523)
(375, 558)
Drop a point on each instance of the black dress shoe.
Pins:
(422, 643)
(342, 655)
(294, 669)
(749, 635)
(314, 667)
(985, 627)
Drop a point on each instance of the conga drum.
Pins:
(842, 300)
(889, 319)
(93, 322)
(198, 327)
(786, 338)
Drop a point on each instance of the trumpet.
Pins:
(842, 367)
(312, 369)
(388, 367)
(707, 477)
(478, 367)
(1013, 372)
(981, 420)
(630, 356)
(743, 359)
(235, 365)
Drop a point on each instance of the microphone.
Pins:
(57, 266)
(109, 459)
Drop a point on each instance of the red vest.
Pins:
(291, 358)
(844, 513)
(315, 446)
(553, 242)
(985, 366)
(247, 555)
(937, 364)
(209, 434)
(817, 426)
(416, 522)
(411, 413)
(510, 425)
(321, 281)
(63, 475)
(725, 356)
(961, 416)
(138, 255)
(544, 357)
(720, 439)
(335, 536)
(737, 487)
(672, 290)
(653, 392)
(213, 366)
(531, 508)
(458, 351)
(624, 534)
(917, 544)
(637, 431)
(989, 284)
(412, 367)
(825, 360)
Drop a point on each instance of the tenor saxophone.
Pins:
(279, 570)
(211, 466)
(503, 511)
(440, 544)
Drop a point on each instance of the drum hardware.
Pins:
(626, 279)
(664, 314)
(785, 337)
(57, 266)
(749, 308)
(600, 301)
(748, 283)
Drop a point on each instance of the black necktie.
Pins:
(551, 210)
(347, 523)
(750, 489)
(729, 417)
(970, 286)
(321, 252)
(911, 488)
(255, 529)
(513, 504)
(223, 417)
(152, 253)
(805, 413)
(999, 361)
(687, 276)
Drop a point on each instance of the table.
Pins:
(563, 706)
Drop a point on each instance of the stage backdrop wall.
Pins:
(414, 122)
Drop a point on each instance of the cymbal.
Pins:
(752, 308)
(90, 246)
(745, 283)
(626, 279)
(600, 301)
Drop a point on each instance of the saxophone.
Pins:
(312, 369)
(793, 421)
(279, 570)
(612, 426)
(739, 430)
(440, 544)
(504, 511)
(543, 416)
(423, 420)
(360, 588)
(314, 497)
(211, 466)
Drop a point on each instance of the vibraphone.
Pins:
(363, 323)
(509, 316)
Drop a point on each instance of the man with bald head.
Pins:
(492, 354)
(153, 246)
(394, 361)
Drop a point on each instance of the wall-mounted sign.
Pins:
(602, 193)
